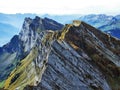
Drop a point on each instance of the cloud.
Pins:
(59, 6)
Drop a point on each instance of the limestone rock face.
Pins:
(69, 70)
(74, 61)
(18, 52)
(32, 27)
(77, 57)
(76, 23)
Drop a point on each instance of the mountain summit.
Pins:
(49, 57)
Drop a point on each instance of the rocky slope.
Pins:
(21, 45)
(82, 60)
(78, 57)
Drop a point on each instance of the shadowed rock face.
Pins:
(78, 57)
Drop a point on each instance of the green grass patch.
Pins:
(2, 84)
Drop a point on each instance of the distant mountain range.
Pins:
(102, 21)
(108, 24)
(11, 23)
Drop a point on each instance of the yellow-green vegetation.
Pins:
(2, 84)
(27, 72)
(64, 31)
(23, 74)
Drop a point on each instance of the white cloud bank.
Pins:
(60, 6)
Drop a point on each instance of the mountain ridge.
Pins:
(44, 86)
(76, 57)
(100, 21)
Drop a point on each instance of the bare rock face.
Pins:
(76, 23)
(69, 70)
(69, 67)
(78, 57)
(76, 61)
(32, 27)
(22, 53)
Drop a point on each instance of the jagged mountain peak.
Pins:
(77, 56)
(28, 19)
(46, 22)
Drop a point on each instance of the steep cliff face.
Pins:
(18, 52)
(81, 59)
(78, 57)
(68, 70)
(32, 27)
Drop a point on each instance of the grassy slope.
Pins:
(19, 76)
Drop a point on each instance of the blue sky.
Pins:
(60, 6)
